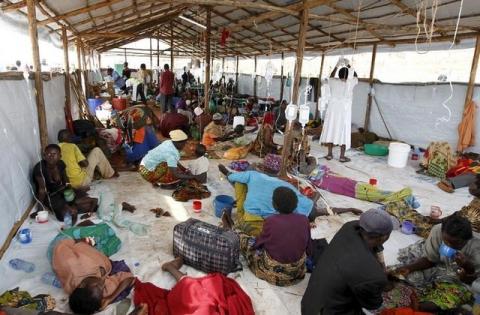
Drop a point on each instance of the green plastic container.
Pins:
(375, 149)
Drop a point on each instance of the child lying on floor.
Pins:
(199, 167)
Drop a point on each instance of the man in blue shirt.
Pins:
(118, 81)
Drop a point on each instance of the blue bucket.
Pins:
(223, 202)
(93, 103)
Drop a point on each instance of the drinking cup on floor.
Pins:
(197, 206)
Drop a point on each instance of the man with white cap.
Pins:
(161, 164)
(214, 131)
(348, 277)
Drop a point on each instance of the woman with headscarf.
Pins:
(264, 143)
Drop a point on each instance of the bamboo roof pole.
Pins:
(151, 57)
(85, 71)
(79, 60)
(319, 85)
(287, 142)
(255, 77)
(39, 100)
(370, 96)
(125, 54)
(158, 49)
(473, 72)
(171, 46)
(68, 101)
(236, 75)
(282, 82)
(207, 58)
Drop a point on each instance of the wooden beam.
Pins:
(473, 72)
(236, 75)
(171, 45)
(14, 6)
(255, 77)
(207, 58)
(319, 85)
(15, 228)
(37, 68)
(282, 82)
(77, 12)
(66, 65)
(287, 143)
(370, 96)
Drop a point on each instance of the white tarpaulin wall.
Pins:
(19, 138)
(413, 113)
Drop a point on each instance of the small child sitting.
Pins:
(199, 167)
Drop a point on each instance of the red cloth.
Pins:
(166, 82)
(172, 121)
(402, 311)
(269, 118)
(214, 294)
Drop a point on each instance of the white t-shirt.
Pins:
(199, 166)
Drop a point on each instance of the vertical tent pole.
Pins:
(99, 61)
(37, 68)
(207, 58)
(85, 71)
(236, 76)
(255, 77)
(473, 72)
(223, 66)
(158, 49)
(124, 54)
(370, 97)
(287, 143)
(171, 46)
(79, 60)
(282, 81)
(319, 85)
(68, 104)
(151, 57)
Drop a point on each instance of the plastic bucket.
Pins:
(223, 202)
(398, 154)
(93, 103)
(119, 103)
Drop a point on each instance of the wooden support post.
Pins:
(85, 71)
(282, 81)
(124, 54)
(100, 61)
(151, 57)
(223, 66)
(255, 77)
(171, 45)
(473, 72)
(207, 58)
(319, 86)
(68, 103)
(79, 60)
(370, 97)
(158, 49)
(37, 68)
(287, 139)
(236, 75)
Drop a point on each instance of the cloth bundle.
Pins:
(190, 189)
(239, 166)
(272, 162)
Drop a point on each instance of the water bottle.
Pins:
(67, 220)
(20, 264)
(51, 279)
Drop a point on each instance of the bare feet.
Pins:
(344, 159)
(115, 175)
(328, 157)
(176, 264)
(141, 309)
(223, 169)
(227, 221)
(128, 207)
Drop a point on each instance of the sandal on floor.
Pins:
(344, 160)
(328, 157)
(445, 187)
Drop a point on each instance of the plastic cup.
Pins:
(373, 181)
(197, 206)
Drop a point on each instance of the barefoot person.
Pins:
(80, 170)
(338, 118)
(211, 294)
(51, 183)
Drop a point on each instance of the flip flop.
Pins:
(328, 157)
(344, 160)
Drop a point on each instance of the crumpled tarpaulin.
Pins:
(466, 129)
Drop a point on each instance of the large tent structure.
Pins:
(312, 33)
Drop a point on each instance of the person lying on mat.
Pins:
(51, 183)
(349, 276)
(271, 256)
(260, 192)
(85, 275)
(211, 294)
(80, 170)
(162, 164)
(444, 265)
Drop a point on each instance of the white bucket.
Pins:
(238, 120)
(398, 154)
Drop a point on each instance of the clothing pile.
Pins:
(22, 299)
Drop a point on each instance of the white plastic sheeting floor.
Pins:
(144, 254)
